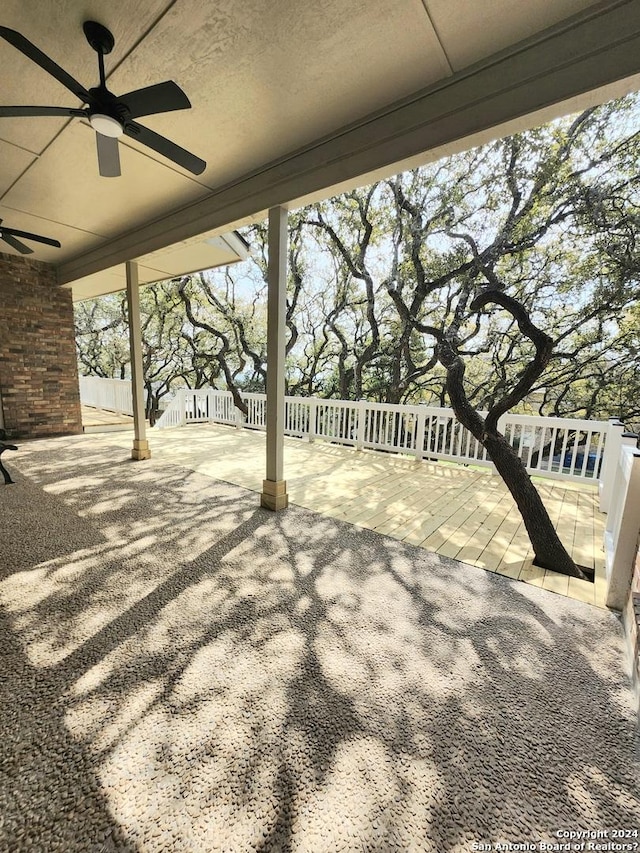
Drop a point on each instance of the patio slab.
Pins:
(185, 671)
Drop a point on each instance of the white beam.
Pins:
(140, 448)
(274, 488)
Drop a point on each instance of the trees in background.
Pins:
(378, 275)
(102, 344)
(505, 277)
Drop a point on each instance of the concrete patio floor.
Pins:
(184, 671)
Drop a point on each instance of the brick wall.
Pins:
(38, 372)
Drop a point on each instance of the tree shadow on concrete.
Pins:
(36, 527)
(248, 681)
(50, 795)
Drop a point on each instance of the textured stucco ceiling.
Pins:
(264, 79)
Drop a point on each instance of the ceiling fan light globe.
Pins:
(106, 125)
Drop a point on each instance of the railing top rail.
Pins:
(343, 404)
(104, 379)
(402, 407)
(566, 423)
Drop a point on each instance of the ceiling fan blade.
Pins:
(108, 156)
(161, 98)
(16, 244)
(28, 236)
(165, 147)
(48, 65)
(40, 111)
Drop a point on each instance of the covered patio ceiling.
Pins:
(290, 102)
(199, 253)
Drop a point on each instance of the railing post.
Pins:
(418, 438)
(623, 524)
(313, 414)
(611, 456)
(361, 408)
(240, 417)
(183, 406)
(250, 410)
(113, 394)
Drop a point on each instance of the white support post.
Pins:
(274, 488)
(623, 525)
(612, 446)
(140, 444)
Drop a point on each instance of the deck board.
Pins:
(457, 511)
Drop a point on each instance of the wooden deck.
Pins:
(100, 420)
(458, 512)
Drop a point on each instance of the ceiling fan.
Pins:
(9, 236)
(110, 116)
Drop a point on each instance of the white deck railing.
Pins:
(563, 448)
(112, 395)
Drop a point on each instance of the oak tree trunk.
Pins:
(549, 550)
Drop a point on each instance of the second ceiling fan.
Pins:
(109, 115)
(10, 237)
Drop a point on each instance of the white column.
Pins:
(140, 444)
(274, 488)
(612, 445)
(623, 524)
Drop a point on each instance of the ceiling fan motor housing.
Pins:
(107, 115)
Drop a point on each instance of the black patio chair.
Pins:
(4, 446)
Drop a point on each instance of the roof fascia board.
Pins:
(237, 244)
(581, 54)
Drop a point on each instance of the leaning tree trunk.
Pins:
(549, 550)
